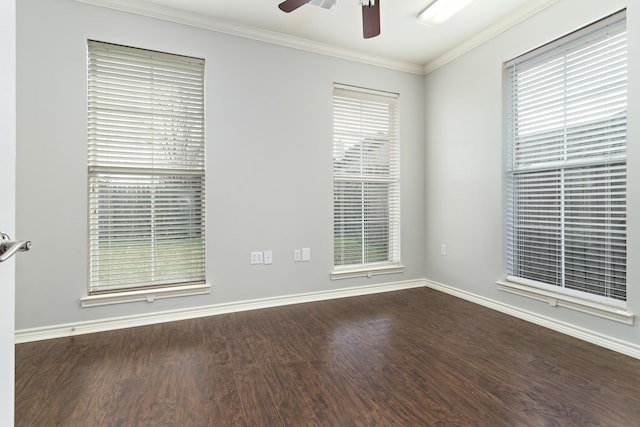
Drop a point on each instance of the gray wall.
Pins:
(269, 160)
(464, 149)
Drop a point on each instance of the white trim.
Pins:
(102, 325)
(148, 295)
(368, 91)
(208, 23)
(495, 30)
(591, 304)
(365, 271)
(87, 327)
(624, 347)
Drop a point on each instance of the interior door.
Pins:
(7, 205)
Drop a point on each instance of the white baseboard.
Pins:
(78, 328)
(624, 347)
(102, 325)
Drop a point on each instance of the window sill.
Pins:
(366, 271)
(148, 295)
(557, 299)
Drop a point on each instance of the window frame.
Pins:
(586, 300)
(355, 142)
(146, 155)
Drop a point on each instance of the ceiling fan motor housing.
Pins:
(370, 13)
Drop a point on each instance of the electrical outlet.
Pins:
(268, 257)
(443, 249)
(306, 254)
(257, 258)
(297, 255)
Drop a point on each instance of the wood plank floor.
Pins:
(409, 358)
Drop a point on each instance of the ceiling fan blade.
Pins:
(291, 5)
(371, 20)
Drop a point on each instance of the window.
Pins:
(146, 169)
(566, 189)
(366, 182)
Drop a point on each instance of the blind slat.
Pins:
(146, 168)
(366, 177)
(566, 168)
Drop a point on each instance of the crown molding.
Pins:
(140, 7)
(495, 30)
(151, 10)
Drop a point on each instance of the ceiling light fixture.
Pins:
(327, 4)
(440, 10)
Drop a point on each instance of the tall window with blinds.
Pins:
(366, 178)
(146, 169)
(566, 164)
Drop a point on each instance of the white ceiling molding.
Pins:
(498, 28)
(139, 7)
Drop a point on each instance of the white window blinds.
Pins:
(567, 121)
(146, 168)
(366, 177)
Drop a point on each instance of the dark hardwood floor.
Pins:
(410, 358)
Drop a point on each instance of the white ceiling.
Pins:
(402, 44)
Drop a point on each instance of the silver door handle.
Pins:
(9, 247)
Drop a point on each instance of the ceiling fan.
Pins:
(370, 14)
